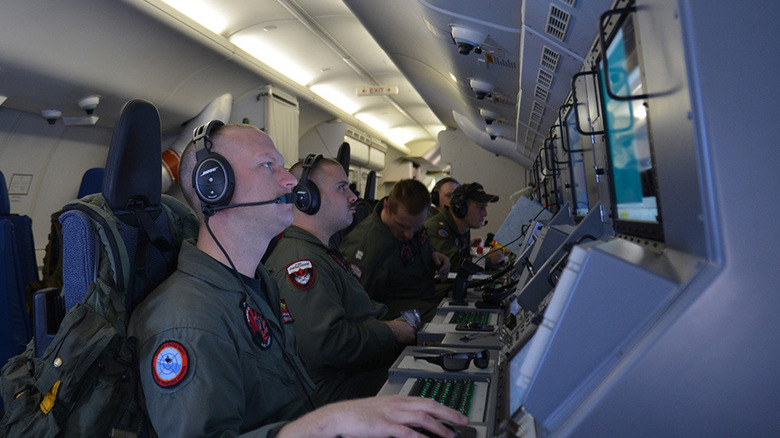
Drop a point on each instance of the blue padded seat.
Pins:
(18, 267)
(132, 187)
(91, 182)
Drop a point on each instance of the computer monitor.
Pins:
(635, 202)
(577, 167)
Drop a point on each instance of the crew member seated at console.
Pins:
(216, 350)
(391, 254)
(442, 194)
(450, 229)
(345, 346)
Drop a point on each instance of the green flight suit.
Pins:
(345, 346)
(204, 369)
(398, 274)
(445, 238)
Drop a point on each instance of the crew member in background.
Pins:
(345, 346)
(391, 254)
(450, 229)
(217, 353)
(442, 194)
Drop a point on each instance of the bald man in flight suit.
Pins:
(217, 353)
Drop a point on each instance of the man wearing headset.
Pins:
(345, 345)
(391, 254)
(442, 194)
(450, 229)
(216, 349)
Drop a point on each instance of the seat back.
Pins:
(91, 182)
(17, 268)
(131, 187)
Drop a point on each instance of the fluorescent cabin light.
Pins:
(333, 95)
(205, 13)
(272, 56)
(372, 121)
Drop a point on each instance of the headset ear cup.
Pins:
(213, 180)
(458, 208)
(307, 197)
(435, 197)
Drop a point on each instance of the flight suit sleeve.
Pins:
(192, 384)
(326, 335)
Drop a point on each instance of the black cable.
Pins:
(523, 232)
(285, 354)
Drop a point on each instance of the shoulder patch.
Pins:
(441, 232)
(170, 364)
(301, 274)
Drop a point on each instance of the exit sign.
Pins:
(377, 90)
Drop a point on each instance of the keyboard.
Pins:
(454, 393)
(465, 317)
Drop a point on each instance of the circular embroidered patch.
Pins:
(170, 363)
(441, 232)
(301, 274)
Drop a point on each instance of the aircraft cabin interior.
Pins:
(630, 143)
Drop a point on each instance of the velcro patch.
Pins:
(170, 364)
(423, 237)
(286, 316)
(407, 255)
(356, 269)
(301, 274)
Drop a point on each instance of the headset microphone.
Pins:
(287, 198)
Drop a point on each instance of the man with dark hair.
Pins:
(450, 229)
(345, 346)
(391, 254)
(217, 352)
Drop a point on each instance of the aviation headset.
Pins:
(212, 176)
(307, 194)
(435, 192)
(458, 205)
(213, 181)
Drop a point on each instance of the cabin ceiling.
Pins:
(181, 54)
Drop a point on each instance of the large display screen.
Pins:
(634, 194)
(580, 190)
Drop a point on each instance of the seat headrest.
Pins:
(5, 203)
(133, 163)
(91, 182)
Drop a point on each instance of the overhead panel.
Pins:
(556, 37)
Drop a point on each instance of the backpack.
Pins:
(86, 381)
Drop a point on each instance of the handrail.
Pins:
(575, 104)
(622, 12)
